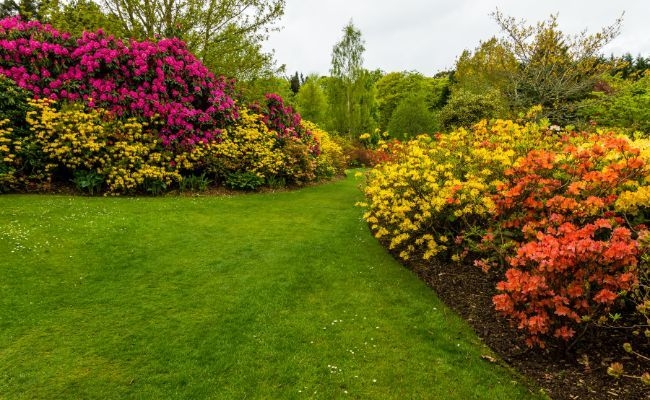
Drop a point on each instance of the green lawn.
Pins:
(271, 296)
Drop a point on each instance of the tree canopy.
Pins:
(226, 35)
(351, 87)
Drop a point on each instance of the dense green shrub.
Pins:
(619, 103)
(412, 117)
(465, 108)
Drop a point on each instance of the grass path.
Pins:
(271, 296)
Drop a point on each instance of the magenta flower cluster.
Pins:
(286, 122)
(129, 78)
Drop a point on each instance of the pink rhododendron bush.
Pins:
(183, 113)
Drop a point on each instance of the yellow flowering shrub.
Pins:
(331, 161)
(436, 196)
(249, 146)
(126, 154)
(7, 157)
(636, 198)
(102, 153)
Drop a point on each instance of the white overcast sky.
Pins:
(428, 35)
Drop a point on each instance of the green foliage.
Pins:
(437, 91)
(22, 162)
(411, 118)
(78, 16)
(619, 103)
(155, 186)
(312, 101)
(296, 81)
(244, 180)
(225, 34)
(466, 108)
(26, 9)
(393, 88)
(351, 87)
(254, 90)
(13, 104)
(89, 181)
(490, 67)
(276, 182)
(194, 183)
(628, 67)
(554, 69)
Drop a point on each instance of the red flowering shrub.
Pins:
(575, 255)
(128, 78)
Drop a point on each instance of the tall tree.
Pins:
(555, 69)
(225, 34)
(296, 81)
(393, 88)
(77, 16)
(490, 67)
(350, 103)
(26, 9)
(312, 101)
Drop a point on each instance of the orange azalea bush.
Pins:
(576, 252)
(559, 215)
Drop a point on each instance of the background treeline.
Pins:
(502, 77)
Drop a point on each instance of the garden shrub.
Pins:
(128, 116)
(331, 160)
(465, 108)
(436, 196)
(244, 180)
(619, 103)
(22, 161)
(575, 251)
(7, 157)
(285, 122)
(128, 78)
(563, 213)
(127, 155)
(247, 147)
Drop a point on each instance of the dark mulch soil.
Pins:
(577, 373)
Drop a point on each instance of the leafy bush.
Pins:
(331, 161)
(126, 153)
(7, 157)
(285, 122)
(465, 108)
(128, 78)
(195, 183)
(89, 181)
(436, 195)
(620, 103)
(244, 180)
(564, 213)
(575, 252)
(412, 117)
(22, 161)
(13, 104)
(248, 146)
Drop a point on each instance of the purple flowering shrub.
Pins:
(128, 78)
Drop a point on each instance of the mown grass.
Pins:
(271, 296)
